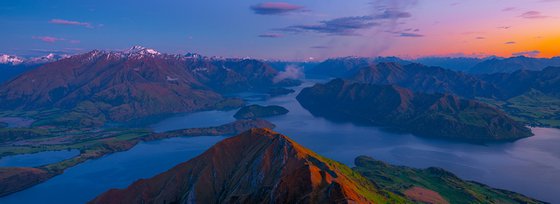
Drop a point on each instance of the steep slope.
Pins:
(520, 82)
(258, 166)
(348, 66)
(435, 115)
(433, 185)
(124, 85)
(231, 75)
(425, 79)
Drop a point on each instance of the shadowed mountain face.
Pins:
(348, 66)
(513, 64)
(135, 83)
(231, 75)
(258, 166)
(434, 115)
(420, 78)
(124, 87)
(519, 82)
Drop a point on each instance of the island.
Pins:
(280, 92)
(258, 111)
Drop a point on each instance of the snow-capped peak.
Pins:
(47, 58)
(139, 50)
(10, 59)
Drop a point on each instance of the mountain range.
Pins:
(262, 166)
(12, 66)
(433, 115)
(135, 83)
(530, 96)
(348, 66)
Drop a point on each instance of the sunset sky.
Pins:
(290, 30)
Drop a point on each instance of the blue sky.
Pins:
(293, 30)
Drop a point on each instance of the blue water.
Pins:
(37, 159)
(530, 166)
(82, 183)
(195, 120)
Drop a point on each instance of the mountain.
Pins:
(262, 166)
(426, 79)
(519, 82)
(9, 71)
(462, 64)
(348, 66)
(121, 85)
(433, 115)
(258, 166)
(134, 83)
(12, 66)
(10, 59)
(234, 75)
(433, 185)
(508, 65)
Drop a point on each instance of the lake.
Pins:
(530, 166)
(38, 159)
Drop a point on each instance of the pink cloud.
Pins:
(533, 15)
(68, 22)
(48, 39)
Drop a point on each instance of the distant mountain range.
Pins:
(530, 96)
(508, 65)
(349, 66)
(12, 66)
(135, 83)
(434, 115)
(262, 166)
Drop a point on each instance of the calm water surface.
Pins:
(38, 159)
(530, 166)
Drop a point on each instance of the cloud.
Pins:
(480, 38)
(392, 14)
(319, 47)
(533, 15)
(48, 39)
(271, 35)
(290, 72)
(504, 27)
(509, 9)
(275, 8)
(68, 22)
(339, 26)
(533, 53)
(509, 43)
(411, 35)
